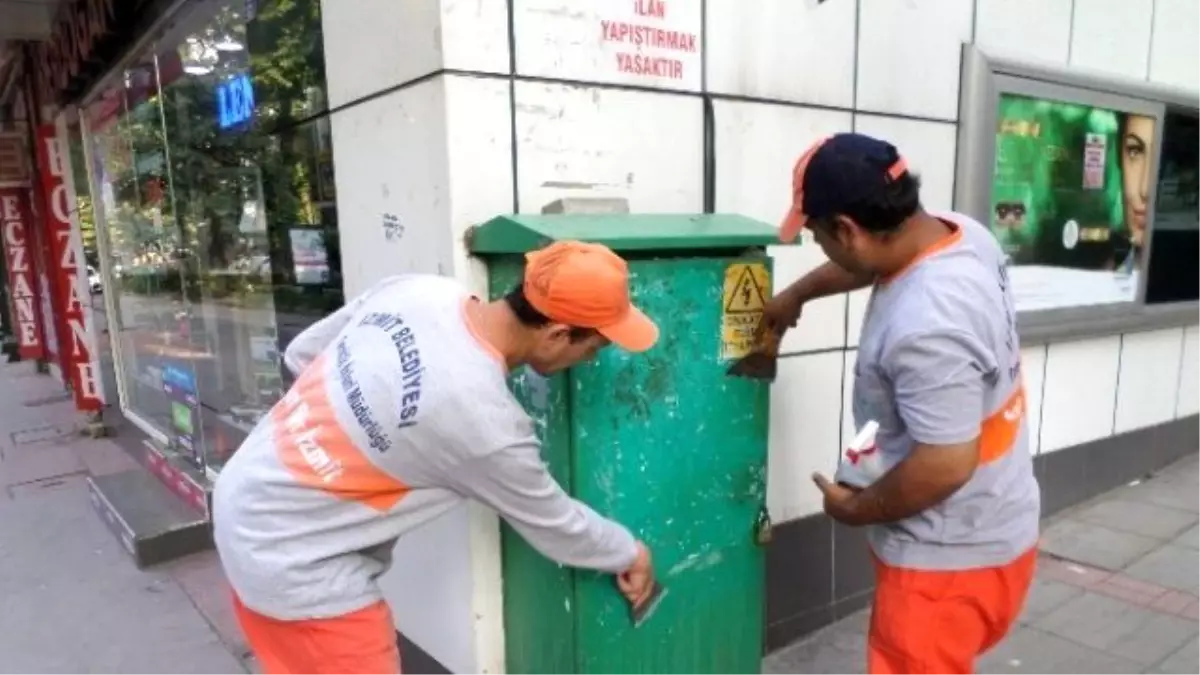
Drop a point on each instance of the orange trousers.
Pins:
(359, 642)
(939, 621)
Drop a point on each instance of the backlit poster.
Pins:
(1069, 200)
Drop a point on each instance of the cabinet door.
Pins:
(539, 635)
(669, 445)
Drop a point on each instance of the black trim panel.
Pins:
(413, 659)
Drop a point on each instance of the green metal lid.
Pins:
(622, 232)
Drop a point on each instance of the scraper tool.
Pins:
(763, 360)
(639, 614)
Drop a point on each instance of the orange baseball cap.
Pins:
(587, 285)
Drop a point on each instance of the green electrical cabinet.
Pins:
(664, 442)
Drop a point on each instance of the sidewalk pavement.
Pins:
(1115, 592)
(73, 601)
(1116, 588)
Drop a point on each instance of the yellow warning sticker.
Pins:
(746, 290)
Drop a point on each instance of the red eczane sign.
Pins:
(74, 321)
(14, 223)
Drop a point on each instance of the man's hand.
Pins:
(782, 311)
(636, 582)
(840, 500)
(922, 480)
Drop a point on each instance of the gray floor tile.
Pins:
(1159, 637)
(840, 647)
(26, 463)
(1143, 518)
(1172, 566)
(1176, 492)
(1045, 596)
(1186, 468)
(1095, 545)
(71, 577)
(1185, 660)
(1028, 650)
(1189, 539)
(1115, 627)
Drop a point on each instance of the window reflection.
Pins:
(152, 324)
(216, 179)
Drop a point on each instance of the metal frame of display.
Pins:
(100, 218)
(984, 79)
(136, 49)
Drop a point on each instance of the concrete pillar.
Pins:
(414, 150)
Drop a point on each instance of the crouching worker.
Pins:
(399, 413)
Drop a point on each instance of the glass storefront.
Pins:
(211, 163)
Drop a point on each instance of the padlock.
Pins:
(763, 532)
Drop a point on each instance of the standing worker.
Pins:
(401, 411)
(953, 521)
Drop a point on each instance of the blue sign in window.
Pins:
(235, 101)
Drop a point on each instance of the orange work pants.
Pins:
(363, 641)
(926, 621)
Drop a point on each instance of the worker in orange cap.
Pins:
(401, 411)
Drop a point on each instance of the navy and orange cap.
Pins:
(837, 172)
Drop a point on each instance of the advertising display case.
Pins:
(1064, 168)
(1069, 198)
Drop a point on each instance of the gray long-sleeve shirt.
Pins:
(400, 412)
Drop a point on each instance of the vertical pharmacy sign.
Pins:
(14, 219)
(68, 266)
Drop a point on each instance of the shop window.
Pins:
(1174, 272)
(227, 193)
(149, 319)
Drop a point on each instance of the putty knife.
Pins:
(763, 360)
(638, 615)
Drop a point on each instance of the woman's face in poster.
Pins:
(1137, 146)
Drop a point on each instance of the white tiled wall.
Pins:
(1173, 52)
(908, 55)
(1032, 30)
(758, 145)
(1189, 374)
(786, 50)
(929, 148)
(577, 141)
(479, 137)
(370, 47)
(439, 157)
(1113, 36)
(1033, 366)
(1147, 390)
(805, 432)
(822, 322)
(391, 161)
(1080, 392)
(849, 428)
